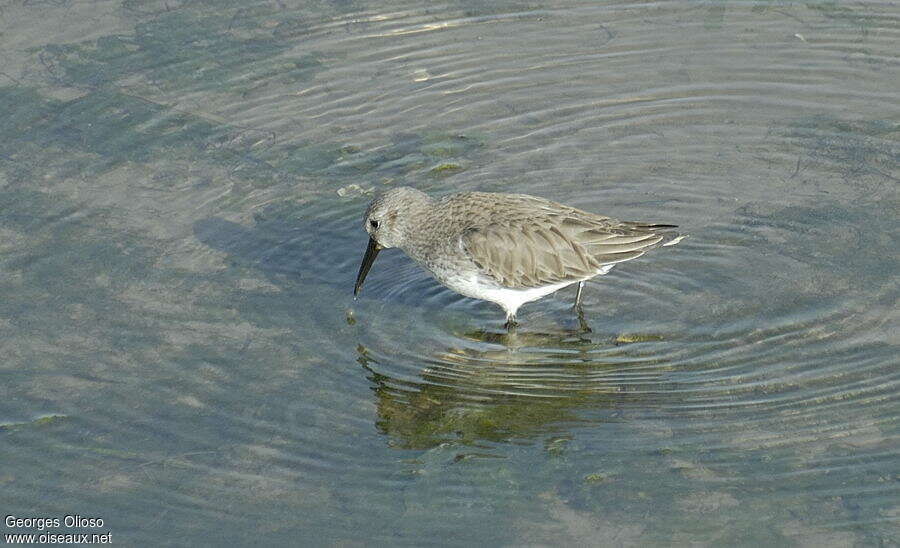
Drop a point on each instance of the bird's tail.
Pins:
(670, 237)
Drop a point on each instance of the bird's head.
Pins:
(390, 222)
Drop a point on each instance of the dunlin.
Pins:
(509, 249)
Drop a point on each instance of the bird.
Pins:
(509, 249)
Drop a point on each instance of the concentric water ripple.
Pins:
(181, 197)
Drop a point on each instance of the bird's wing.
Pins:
(555, 247)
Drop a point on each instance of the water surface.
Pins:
(181, 193)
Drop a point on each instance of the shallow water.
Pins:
(181, 193)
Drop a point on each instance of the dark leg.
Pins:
(585, 328)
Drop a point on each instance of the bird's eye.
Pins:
(373, 224)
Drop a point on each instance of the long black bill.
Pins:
(368, 259)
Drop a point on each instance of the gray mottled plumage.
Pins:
(507, 248)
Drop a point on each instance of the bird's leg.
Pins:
(578, 296)
(511, 323)
(583, 326)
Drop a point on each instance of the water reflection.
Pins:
(181, 187)
(533, 385)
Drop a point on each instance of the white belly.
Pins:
(476, 286)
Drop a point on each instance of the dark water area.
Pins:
(182, 186)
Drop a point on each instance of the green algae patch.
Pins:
(42, 422)
(557, 446)
(626, 338)
(437, 153)
(445, 169)
(595, 478)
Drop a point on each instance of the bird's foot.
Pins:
(510, 324)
